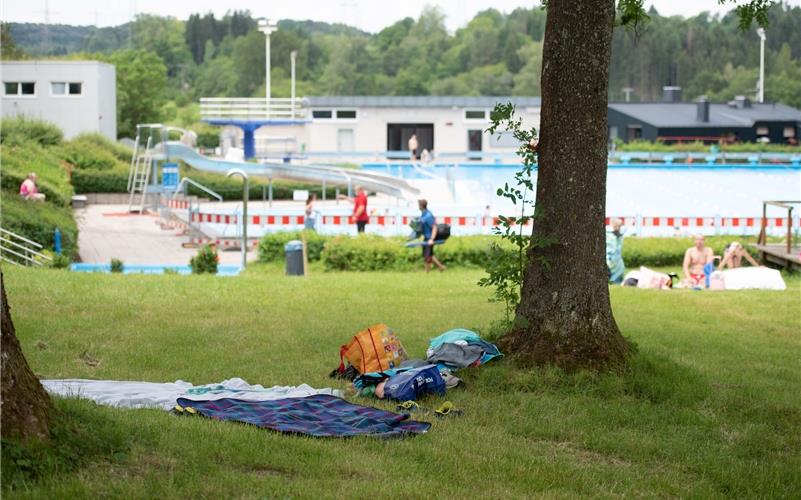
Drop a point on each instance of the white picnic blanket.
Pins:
(133, 394)
(760, 277)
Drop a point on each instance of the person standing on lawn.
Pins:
(428, 225)
(360, 215)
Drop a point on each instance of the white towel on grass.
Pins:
(132, 394)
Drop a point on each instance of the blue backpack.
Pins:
(411, 384)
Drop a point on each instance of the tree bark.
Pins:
(25, 404)
(564, 316)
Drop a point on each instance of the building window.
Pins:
(346, 114)
(762, 130)
(474, 140)
(634, 132)
(474, 114)
(789, 132)
(19, 88)
(322, 114)
(66, 88)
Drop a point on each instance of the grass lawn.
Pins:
(711, 406)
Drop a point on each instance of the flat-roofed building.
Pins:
(77, 96)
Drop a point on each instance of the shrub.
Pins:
(60, 261)
(117, 266)
(121, 152)
(100, 181)
(85, 155)
(271, 246)
(205, 261)
(662, 252)
(21, 130)
(368, 253)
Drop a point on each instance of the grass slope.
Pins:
(710, 407)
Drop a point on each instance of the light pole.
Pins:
(761, 94)
(267, 26)
(245, 196)
(292, 56)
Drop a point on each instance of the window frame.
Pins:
(484, 115)
(66, 93)
(19, 94)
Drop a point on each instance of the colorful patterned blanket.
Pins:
(319, 415)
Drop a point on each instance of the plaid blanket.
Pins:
(320, 415)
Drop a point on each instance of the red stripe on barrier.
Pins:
(301, 219)
(671, 221)
(382, 220)
(779, 222)
(256, 219)
(284, 220)
(699, 221)
(749, 221)
(462, 221)
(270, 219)
(656, 221)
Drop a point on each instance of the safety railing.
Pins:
(24, 251)
(246, 108)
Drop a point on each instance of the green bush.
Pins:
(85, 155)
(21, 130)
(205, 261)
(121, 152)
(271, 246)
(368, 252)
(117, 266)
(60, 261)
(100, 181)
(700, 147)
(38, 221)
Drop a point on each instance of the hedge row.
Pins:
(371, 252)
(700, 147)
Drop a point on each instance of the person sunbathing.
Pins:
(695, 258)
(733, 256)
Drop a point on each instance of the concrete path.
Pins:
(108, 231)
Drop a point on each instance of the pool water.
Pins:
(222, 270)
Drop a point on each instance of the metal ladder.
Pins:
(139, 175)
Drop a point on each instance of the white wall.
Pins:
(370, 129)
(95, 110)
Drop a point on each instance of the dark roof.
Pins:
(684, 114)
(425, 101)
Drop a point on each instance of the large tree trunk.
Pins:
(564, 316)
(25, 404)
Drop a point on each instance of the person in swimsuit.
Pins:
(733, 256)
(695, 258)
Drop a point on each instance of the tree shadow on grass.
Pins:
(649, 377)
(81, 434)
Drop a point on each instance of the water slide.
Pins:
(312, 174)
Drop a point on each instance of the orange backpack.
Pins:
(373, 349)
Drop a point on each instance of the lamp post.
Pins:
(267, 26)
(761, 94)
(292, 56)
(245, 195)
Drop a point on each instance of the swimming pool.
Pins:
(636, 188)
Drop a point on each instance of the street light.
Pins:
(292, 56)
(267, 26)
(245, 195)
(761, 94)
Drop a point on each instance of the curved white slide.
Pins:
(371, 181)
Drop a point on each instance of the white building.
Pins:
(77, 96)
(382, 125)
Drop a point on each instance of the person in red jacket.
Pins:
(360, 215)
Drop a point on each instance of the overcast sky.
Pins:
(369, 15)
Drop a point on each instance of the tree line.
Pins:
(493, 54)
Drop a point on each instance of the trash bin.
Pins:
(294, 258)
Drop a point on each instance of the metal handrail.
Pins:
(252, 108)
(28, 254)
(197, 185)
(15, 235)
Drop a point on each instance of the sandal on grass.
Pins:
(410, 406)
(448, 410)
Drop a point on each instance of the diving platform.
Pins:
(250, 114)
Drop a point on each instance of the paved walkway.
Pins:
(108, 231)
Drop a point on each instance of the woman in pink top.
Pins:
(28, 189)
